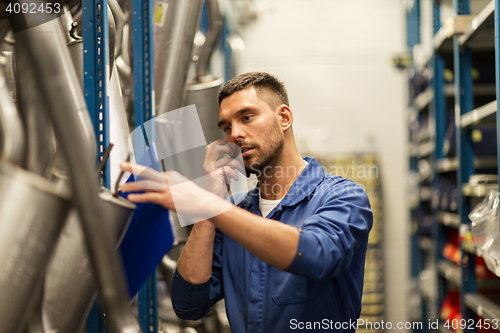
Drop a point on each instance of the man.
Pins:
(290, 256)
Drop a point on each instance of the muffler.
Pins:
(69, 283)
(203, 89)
(32, 213)
(204, 96)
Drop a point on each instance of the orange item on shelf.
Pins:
(450, 307)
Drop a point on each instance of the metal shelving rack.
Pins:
(455, 46)
(143, 111)
(96, 67)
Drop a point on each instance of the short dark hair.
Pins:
(258, 80)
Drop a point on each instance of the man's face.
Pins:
(254, 126)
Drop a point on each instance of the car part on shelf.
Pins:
(172, 75)
(69, 283)
(56, 80)
(211, 40)
(28, 232)
(204, 96)
(40, 145)
(12, 141)
(74, 42)
(7, 52)
(120, 21)
(41, 148)
(203, 89)
(162, 37)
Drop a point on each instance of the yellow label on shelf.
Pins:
(160, 13)
(477, 135)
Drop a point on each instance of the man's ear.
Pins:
(286, 117)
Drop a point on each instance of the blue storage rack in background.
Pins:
(452, 99)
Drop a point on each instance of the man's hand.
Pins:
(172, 191)
(218, 173)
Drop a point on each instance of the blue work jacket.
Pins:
(320, 290)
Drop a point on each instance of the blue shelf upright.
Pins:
(417, 257)
(96, 64)
(143, 111)
(438, 114)
(412, 39)
(95, 78)
(464, 102)
(95, 72)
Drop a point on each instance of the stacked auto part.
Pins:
(60, 229)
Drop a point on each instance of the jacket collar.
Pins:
(303, 187)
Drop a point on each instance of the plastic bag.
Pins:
(484, 218)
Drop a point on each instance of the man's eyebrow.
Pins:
(221, 122)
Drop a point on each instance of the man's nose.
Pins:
(237, 133)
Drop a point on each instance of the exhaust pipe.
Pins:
(12, 144)
(203, 89)
(172, 87)
(28, 233)
(214, 31)
(41, 144)
(57, 82)
(69, 283)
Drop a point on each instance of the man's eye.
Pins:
(227, 129)
(246, 118)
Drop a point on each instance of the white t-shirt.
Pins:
(266, 206)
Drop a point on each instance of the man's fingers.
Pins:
(152, 197)
(238, 165)
(141, 185)
(222, 162)
(228, 161)
(212, 154)
(218, 142)
(231, 173)
(142, 171)
(218, 150)
(228, 147)
(175, 178)
(126, 166)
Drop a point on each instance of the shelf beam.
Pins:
(451, 272)
(453, 26)
(482, 306)
(478, 114)
(423, 99)
(449, 164)
(425, 148)
(479, 34)
(449, 219)
(480, 89)
(479, 190)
